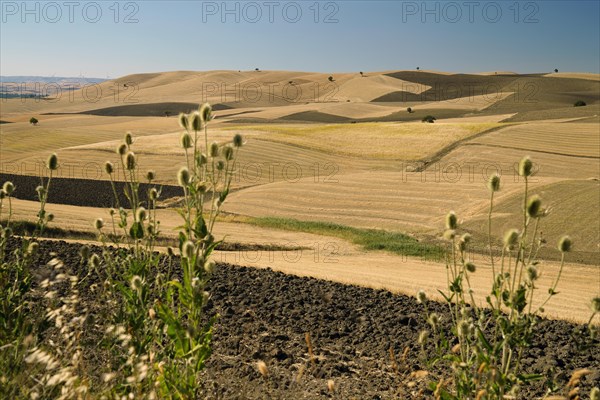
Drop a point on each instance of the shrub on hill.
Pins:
(580, 103)
(429, 118)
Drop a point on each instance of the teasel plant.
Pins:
(206, 183)
(485, 353)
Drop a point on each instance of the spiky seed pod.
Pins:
(463, 328)
(201, 187)
(423, 336)
(33, 247)
(421, 296)
(433, 320)
(209, 267)
(195, 121)
(206, 112)
(170, 251)
(183, 176)
(109, 167)
(52, 162)
(122, 149)
(151, 230)
(511, 237)
(449, 234)
(214, 149)
(41, 191)
(186, 140)
(525, 166)
(465, 239)
(238, 140)
(99, 223)
(150, 175)
(451, 220)
(596, 304)
(493, 183)
(141, 214)
(188, 250)
(184, 121)
(50, 217)
(8, 232)
(112, 211)
(84, 252)
(534, 205)
(202, 159)
(470, 267)
(8, 188)
(136, 283)
(153, 194)
(94, 261)
(228, 152)
(128, 139)
(565, 244)
(532, 273)
(130, 161)
(220, 165)
(209, 239)
(2, 194)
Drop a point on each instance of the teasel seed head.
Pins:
(184, 121)
(532, 273)
(465, 239)
(99, 223)
(262, 368)
(423, 336)
(109, 167)
(50, 217)
(206, 112)
(130, 161)
(433, 320)
(451, 220)
(141, 214)
(150, 175)
(596, 304)
(493, 183)
(8, 188)
(228, 152)
(84, 252)
(511, 237)
(183, 176)
(128, 139)
(33, 247)
(2, 194)
(153, 194)
(112, 212)
(525, 166)
(170, 251)
(186, 140)
(189, 250)
(201, 187)
(470, 267)
(195, 121)
(94, 261)
(202, 159)
(122, 149)
(136, 283)
(565, 244)
(220, 165)
(52, 162)
(463, 328)
(238, 140)
(421, 296)
(214, 149)
(534, 206)
(209, 267)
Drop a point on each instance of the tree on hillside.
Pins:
(33, 121)
(256, 69)
(361, 74)
(167, 114)
(429, 118)
(409, 109)
(418, 68)
(580, 103)
(555, 69)
(330, 79)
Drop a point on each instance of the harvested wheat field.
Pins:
(336, 205)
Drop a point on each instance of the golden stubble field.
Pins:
(396, 174)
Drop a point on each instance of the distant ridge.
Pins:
(48, 79)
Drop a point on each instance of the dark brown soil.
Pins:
(265, 315)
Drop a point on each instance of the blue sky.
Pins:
(99, 39)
